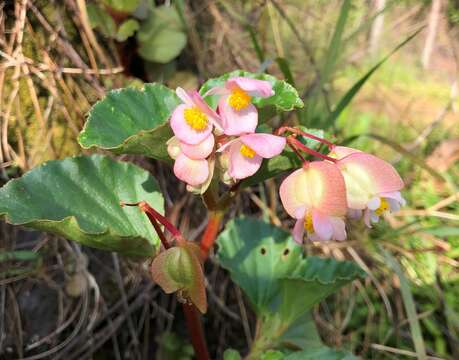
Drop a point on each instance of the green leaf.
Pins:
(272, 355)
(162, 36)
(100, 19)
(79, 198)
(231, 354)
(257, 254)
(127, 29)
(301, 334)
(285, 96)
(322, 353)
(267, 264)
(132, 121)
(313, 281)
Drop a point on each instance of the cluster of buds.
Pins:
(345, 183)
(204, 137)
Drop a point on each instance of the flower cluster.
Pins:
(204, 137)
(347, 182)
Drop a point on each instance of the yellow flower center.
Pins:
(383, 207)
(308, 226)
(195, 118)
(239, 99)
(247, 151)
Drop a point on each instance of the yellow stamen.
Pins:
(195, 118)
(239, 99)
(308, 226)
(383, 207)
(247, 151)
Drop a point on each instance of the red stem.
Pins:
(198, 340)
(303, 147)
(305, 134)
(210, 233)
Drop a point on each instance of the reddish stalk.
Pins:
(190, 311)
(210, 234)
(305, 134)
(298, 144)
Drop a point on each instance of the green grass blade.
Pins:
(346, 99)
(285, 68)
(256, 45)
(410, 306)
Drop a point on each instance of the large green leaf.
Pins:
(257, 255)
(132, 121)
(79, 198)
(280, 283)
(285, 96)
(162, 36)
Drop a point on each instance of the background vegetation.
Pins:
(59, 300)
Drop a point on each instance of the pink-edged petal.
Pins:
(322, 225)
(226, 145)
(339, 229)
(374, 203)
(183, 95)
(193, 172)
(367, 176)
(237, 122)
(339, 152)
(185, 132)
(298, 231)
(218, 90)
(265, 145)
(254, 87)
(199, 151)
(240, 166)
(202, 105)
(396, 195)
(320, 186)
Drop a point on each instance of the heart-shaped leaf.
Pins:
(257, 255)
(79, 198)
(281, 284)
(132, 121)
(285, 96)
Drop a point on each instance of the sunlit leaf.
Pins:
(79, 198)
(132, 121)
(127, 29)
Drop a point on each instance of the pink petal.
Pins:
(237, 122)
(226, 145)
(339, 229)
(173, 147)
(254, 87)
(193, 172)
(218, 90)
(367, 176)
(320, 186)
(199, 151)
(240, 166)
(322, 225)
(265, 145)
(184, 131)
(374, 203)
(202, 105)
(338, 152)
(183, 95)
(298, 231)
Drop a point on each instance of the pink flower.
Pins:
(316, 196)
(235, 107)
(193, 121)
(246, 153)
(372, 185)
(191, 163)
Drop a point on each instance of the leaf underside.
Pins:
(79, 198)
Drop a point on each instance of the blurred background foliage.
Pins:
(59, 57)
